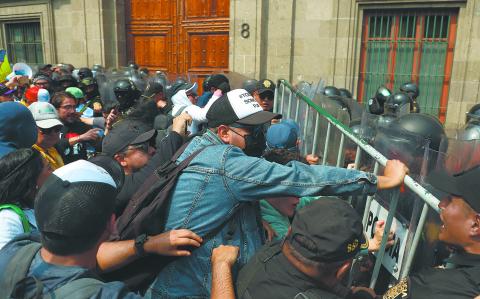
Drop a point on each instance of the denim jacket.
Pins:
(222, 179)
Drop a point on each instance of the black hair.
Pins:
(59, 97)
(19, 171)
(283, 156)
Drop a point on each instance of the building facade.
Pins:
(356, 44)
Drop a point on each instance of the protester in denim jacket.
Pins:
(222, 180)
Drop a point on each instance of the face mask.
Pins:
(255, 143)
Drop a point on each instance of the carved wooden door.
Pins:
(180, 37)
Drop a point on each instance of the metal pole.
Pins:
(297, 110)
(307, 114)
(369, 199)
(416, 240)
(315, 134)
(327, 141)
(283, 97)
(383, 245)
(358, 156)
(340, 151)
(275, 101)
(289, 109)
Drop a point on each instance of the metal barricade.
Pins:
(309, 114)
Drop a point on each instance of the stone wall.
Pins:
(81, 32)
(309, 40)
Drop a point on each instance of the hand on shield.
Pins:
(393, 175)
(374, 244)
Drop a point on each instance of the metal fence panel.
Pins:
(310, 115)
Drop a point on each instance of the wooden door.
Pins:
(180, 37)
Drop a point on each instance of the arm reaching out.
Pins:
(393, 175)
(113, 255)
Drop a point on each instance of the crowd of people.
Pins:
(123, 184)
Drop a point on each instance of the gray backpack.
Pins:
(13, 284)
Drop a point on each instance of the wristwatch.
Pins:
(139, 242)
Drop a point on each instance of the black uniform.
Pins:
(462, 281)
(271, 275)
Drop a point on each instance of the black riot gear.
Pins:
(471, 131)
(345, 93)
(397, 103)
(249, 85)
(331, 91)
(374, 106)
(133, 66)
(84, 72)
(411, 89)
(382, 94)
(126, 93)
(425, 125)
(473, 113)
(155, 85)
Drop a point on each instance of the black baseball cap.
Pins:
(74, 206)
(265, 85)
(328, 230)
(238, 106)
(464, 184)
(125, 133)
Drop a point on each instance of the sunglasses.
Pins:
(266, 96)
(50, 130)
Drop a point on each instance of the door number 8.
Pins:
(245, 30)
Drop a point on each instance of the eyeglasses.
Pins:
(68, 107)
(50, 130)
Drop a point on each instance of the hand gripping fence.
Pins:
(288, 98)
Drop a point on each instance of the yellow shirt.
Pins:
(51, 156)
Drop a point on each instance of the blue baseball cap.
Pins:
(282, 136)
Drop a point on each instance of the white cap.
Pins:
(45, 115)
(84, 171)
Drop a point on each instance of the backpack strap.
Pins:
(17, 268)
(82, 288)
(250, 270)
(20, 213)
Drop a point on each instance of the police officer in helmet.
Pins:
(126, 93)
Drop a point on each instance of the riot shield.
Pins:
(413, 151)
(328, 142)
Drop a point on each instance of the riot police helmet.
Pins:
(396, 101)
(471, 131)
(126, 93)
(411, 89)
(473, 113)
(382, 94)
(133, 66)
(155, 85)
(249, 85)
(331, 91)
(425, 125)
(345, 93)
